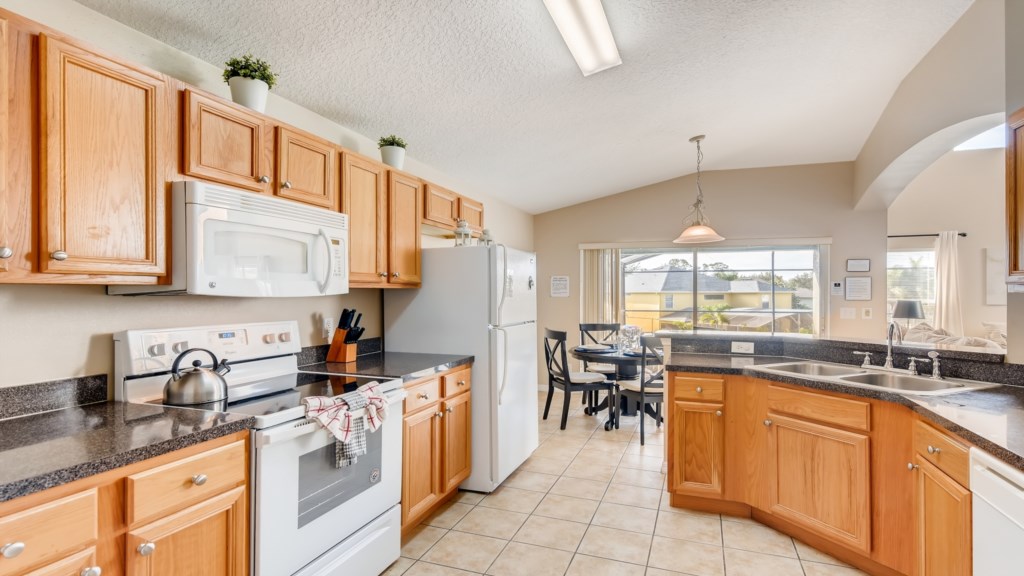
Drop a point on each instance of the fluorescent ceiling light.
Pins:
(994, 138)
(584, 27)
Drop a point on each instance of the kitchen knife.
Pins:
(346, 318)
(354, 335)
(358, 318)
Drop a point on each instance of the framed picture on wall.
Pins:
(858, 265)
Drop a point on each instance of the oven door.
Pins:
(303, 505)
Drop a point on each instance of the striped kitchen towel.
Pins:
(335, 415)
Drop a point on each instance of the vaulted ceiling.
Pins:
(488, 92)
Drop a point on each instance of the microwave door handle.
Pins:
(330, 262)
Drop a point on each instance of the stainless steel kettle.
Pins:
(197, 385)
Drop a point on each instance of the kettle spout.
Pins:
(223, 368)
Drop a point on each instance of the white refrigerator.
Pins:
(479, 300)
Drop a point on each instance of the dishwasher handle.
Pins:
(999, 484)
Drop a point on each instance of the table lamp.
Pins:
(908, 309)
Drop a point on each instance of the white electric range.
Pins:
(309, 518)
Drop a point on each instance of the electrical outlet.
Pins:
(743, 347)
(866, 314)
(328, 328)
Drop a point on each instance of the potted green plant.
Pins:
(250, 80)
(392, 150)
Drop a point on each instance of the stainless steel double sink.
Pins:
(876, 378)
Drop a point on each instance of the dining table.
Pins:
(627, 367)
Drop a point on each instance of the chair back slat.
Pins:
(651, 347)
(597, 333)
(555, 355)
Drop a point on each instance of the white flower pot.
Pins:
(249, 92)
(393, 156)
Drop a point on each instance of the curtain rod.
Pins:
(962, 235)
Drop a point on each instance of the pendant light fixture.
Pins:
(698, 230)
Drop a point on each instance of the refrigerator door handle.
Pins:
(504, 364)
(504, 281)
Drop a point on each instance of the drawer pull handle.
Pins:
(449, 410)
(287, 185)
(199, 479)
(767, 421)
(6, 252)
(59, 255)
(934, 450)
(699, 390)
(911, 466)
(423, 396)
(718, 412)
(439, 414)
(382, 274)
(395, 275)
(92, 571)
(264, 180)
(12, 550)
(147, 549)
(462, 382)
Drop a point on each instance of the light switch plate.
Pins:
(742, 347)
(846, 313)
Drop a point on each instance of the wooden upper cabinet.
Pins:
(227, 145)
(472, 212)
(6, 244)
(440, 206)
(307, 169)
(1015, 196)
(102, 191)
(364, 199)
(405, 197)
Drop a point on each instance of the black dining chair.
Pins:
(598, 333)
(648, 388)
(559, 376)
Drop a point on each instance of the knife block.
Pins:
(341, 352)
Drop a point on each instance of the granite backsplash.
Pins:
(55, 395)
(317, 354)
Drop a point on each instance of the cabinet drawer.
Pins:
(179, 484)
(73, 565)
(457, 382)
(698, 388)
(844, 412)
(49, 532)
(422, 395)
(947, 454)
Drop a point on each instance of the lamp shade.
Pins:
(908, 309)
(698, 233)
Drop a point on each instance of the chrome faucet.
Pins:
(936, 374)
(893, 329)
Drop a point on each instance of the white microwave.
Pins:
(228, 242)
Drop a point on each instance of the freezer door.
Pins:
(514, 282)
(514, 398)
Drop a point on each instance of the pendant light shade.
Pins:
(698, 229)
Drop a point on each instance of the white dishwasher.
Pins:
(998, 516)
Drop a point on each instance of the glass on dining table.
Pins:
(629, 338)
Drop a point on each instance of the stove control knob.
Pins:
(179, 347)
(269, 338)
(285, 336)
(156, 350)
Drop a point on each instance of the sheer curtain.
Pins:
(602, 275)
(948, 315)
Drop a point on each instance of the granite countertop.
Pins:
(991, 419)
(41, 451)
(405, 365)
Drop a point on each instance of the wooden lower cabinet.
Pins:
(942, 521)
(698, 439)
(86, 528)
(436, 442)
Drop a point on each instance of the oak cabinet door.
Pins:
(364, 199)
(457, 433)
(472, 212)
(405, 197)
(421, 461)
(440, 206)
(822, 479)
(6, 242)
(942, 522)
(698, 446)
(226, 145)
(208, 539)
(102, 201)
(306, 169)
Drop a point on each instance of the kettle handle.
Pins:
(223, 367)
(177, 361)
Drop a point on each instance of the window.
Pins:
(910, 275)
(765, 289)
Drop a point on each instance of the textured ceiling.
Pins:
(487, 92)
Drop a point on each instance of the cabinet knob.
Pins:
(394, 274)
(699, 390)
(911, 466)
(718, 412)
(382, 274)
(439, 414)
(767, 421)
(423, 396)
(12, 550)
(287, 185)
(147, 549)
(449, 409)
(199, 479)
(59, 255)
(462, 382)
(5, 252)
(92, 571)
(934, 450)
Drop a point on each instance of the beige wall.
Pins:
(50, 332)
(810, 201)
(955, 92)
(935, 201)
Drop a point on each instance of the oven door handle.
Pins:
(304, 427)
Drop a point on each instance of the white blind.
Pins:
(602, 275)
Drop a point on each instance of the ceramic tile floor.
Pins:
(590, 502)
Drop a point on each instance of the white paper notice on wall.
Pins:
(559, 286)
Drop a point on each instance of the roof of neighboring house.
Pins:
(682, 281)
